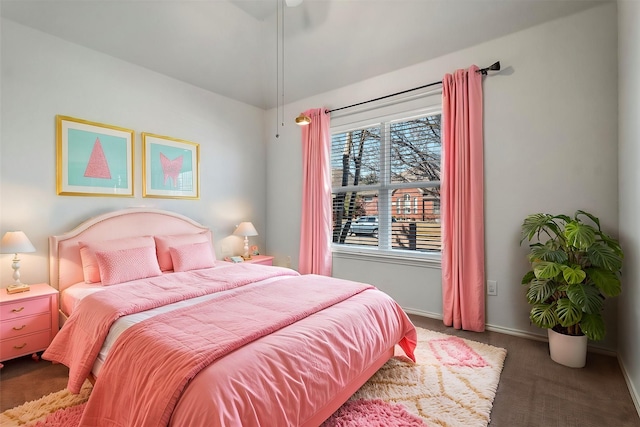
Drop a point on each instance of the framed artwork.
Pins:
(170, 167)
(93, 159)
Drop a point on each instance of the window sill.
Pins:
(390, 257)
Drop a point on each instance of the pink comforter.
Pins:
(154, 360)
(296, 373)
(78, 343)
(293, 374)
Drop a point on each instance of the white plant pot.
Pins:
(568, 350)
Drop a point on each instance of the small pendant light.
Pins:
(303, 120)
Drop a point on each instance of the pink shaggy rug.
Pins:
(372, 413)
(67, 417)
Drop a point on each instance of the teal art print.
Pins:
(170, 167)
(93, 159)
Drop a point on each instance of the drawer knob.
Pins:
(18, 347)
(15, 328)
(17, 310)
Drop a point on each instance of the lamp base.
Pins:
(246, 257)
(14, 289)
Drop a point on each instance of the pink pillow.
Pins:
(123, 265)
(163, 243)
(192, 256)
(88, 249)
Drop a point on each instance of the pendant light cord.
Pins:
(277, 68)
(283, 69)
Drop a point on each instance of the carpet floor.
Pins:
(452, 384)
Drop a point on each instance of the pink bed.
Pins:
(294, 370)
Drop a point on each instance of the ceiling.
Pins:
(232, 47)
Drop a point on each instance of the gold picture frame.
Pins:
(93, 159)
(170, 167)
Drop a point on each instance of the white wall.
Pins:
(550, 146)
(43, 76)
(629, 185)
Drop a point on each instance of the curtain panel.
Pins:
(316, 224)
(462, 201)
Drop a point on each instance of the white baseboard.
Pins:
(510, 331)
(516, 333)
(423, 313)
(525, 334)
(635, 396)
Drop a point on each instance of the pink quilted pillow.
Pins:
(88, 249)
(123, 265)
(192, 257)
(163, 243)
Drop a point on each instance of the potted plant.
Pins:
(574, 267)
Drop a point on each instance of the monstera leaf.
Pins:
(593, 327)
(544, 315)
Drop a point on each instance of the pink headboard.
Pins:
(65, 266)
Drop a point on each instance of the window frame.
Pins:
(388, 254)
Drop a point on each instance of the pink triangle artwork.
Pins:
(171, 168)
(97, 166)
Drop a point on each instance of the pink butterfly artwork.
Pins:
(171, 168)
(97, 167)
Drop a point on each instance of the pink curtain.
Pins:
(315, 230)
(462, 207)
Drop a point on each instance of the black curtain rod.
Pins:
(484, 71)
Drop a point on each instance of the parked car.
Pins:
(367, 225)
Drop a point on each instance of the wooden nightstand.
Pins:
(260, 259)
(28, 321)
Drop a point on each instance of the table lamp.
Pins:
(15, 242)
(246, 229)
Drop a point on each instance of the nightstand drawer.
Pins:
(27, 344)
(24, 308)
(25, 326)
(261, 259)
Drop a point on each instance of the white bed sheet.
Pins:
(71, 297)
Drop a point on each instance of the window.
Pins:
(407, 203)
(386, 185)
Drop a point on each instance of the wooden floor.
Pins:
(533, 391)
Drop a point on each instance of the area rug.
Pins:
(452, 384)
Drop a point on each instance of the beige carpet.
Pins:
(453, 384)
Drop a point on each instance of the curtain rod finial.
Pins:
(493, 67)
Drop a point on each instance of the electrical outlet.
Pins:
(492, 287)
